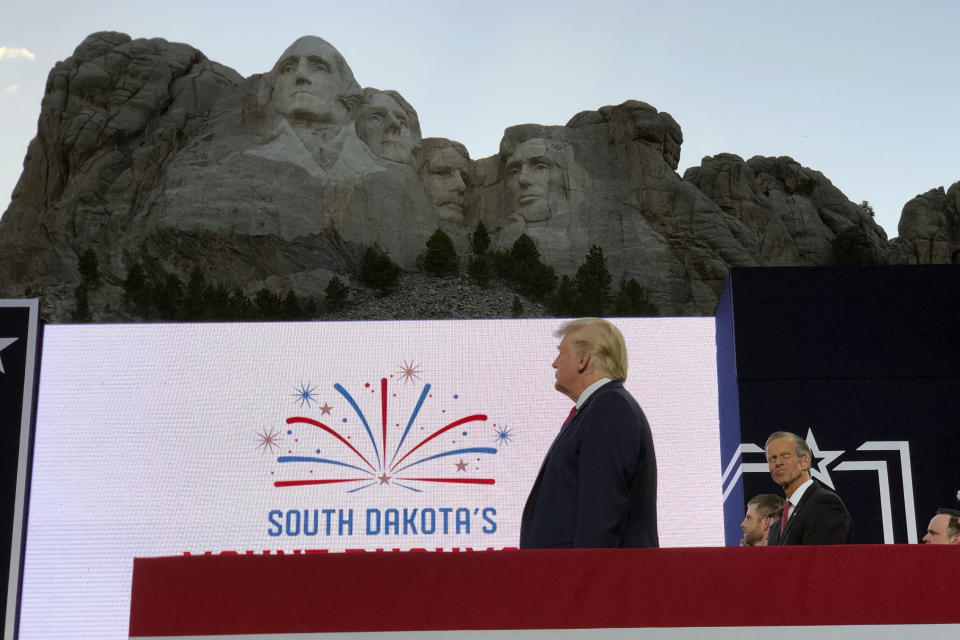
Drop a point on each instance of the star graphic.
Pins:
(820, 471)
(268, 440)
(384, 478)
(461, 466)
(304, 394)
(504, 434)
(409, 371)
(4, 343)
(325, 409)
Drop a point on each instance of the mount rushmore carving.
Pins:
(147, 152)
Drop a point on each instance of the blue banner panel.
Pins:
(729, 414)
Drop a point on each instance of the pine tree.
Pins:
(632, 300)
(481, 240)
(168, 297)
(522, 267)
(81, 306)
(218, 303)
(565, 303)
(516, 309)
(592, 283)
(441, 256)
(336, 293)
(137, 291)
(89, 269)
(310, 308)
(266, 305)
(377, 270)
(480, 268)
(291, 309)
(240, 306)
(195, 298)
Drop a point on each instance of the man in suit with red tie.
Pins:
(813, 514)
(597, 485)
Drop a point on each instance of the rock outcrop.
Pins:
(148, 153)
(929, 229)
(112, 116)
(792, 213)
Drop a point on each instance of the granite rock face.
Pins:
(112, 116)
(607, 179)
(792, 213)
(929, 229)
(148, 153)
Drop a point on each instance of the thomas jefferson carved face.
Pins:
(444, 175)
(386, 128)
(308, 82)
(535, 179)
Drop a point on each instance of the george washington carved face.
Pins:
(310, 82)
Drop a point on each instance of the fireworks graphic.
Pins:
(409, 372)
(268, 440)
(304, 395)
(395, 456)
(504, 434)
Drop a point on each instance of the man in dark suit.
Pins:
(813, 513)
(597, 485)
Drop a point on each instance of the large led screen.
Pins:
(156, 440)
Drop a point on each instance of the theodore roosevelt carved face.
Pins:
(445, 174)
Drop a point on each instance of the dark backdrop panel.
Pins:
(842, 416)
(862, 358)
(847, 322)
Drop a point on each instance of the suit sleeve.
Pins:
(830, 523)
(607, 462)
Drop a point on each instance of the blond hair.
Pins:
(603, 341)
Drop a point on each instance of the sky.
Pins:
(864, 92)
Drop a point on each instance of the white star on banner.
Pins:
(4, 343)
(823, 458)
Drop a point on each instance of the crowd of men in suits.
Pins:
(812, 513)
(597, 484)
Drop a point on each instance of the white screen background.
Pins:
(149, 442)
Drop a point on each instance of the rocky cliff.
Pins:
(148, 153)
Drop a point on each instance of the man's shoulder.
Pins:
(611, 400)
(611, 394)
(821, 493)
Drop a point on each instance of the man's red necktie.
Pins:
(783, 518)
(573, 410)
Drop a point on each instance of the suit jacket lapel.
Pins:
(563, 430)
(797, 509)
(543, 463)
